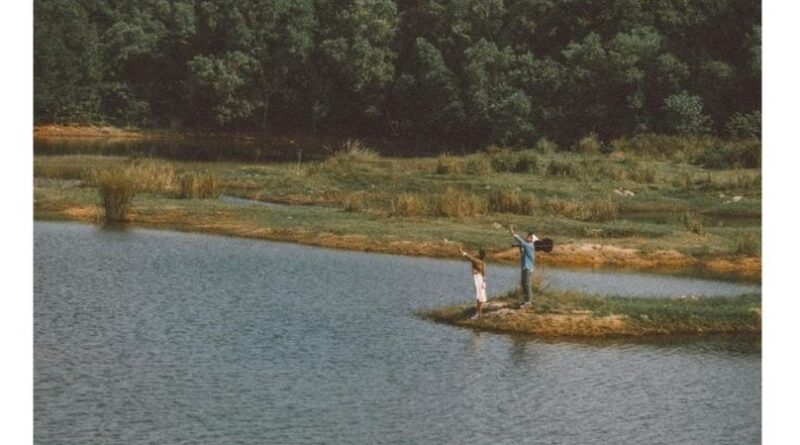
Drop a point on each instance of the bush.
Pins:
(446, 165)
(526, 163)
(504, 160)
(200, 186)
(745, 126)
(589, 144)
(459, 204)
(724, 155)
(408, 204)
(663, 145)
(353, 150)
(561, 168)
(544, 145)
(478, 165)
(511, 202)
(642, 173)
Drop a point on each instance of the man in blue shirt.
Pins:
(527, 260)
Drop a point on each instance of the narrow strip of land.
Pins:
(572, 314)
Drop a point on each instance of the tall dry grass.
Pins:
(116, 189)
(200, 186)
(511, 201)
(593, 210)
(457, 203)
(449, 165)
(408, 204)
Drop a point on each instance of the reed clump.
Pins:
(642, 173)
(203, 185)
(116, 189)
(594, 210)
(511, 201)
(408, 204)
(449, 165)
(457, 203)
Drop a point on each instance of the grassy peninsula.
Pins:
(572, 314)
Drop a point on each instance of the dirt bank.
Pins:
(87, 131)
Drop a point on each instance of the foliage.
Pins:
(467, 73)
(731, 154)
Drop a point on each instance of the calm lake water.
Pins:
(159, 337)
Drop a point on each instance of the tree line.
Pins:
(463, 72)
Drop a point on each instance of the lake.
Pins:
(144, 336)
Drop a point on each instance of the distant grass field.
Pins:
(629, 199)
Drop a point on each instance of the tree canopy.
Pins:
(464, 72)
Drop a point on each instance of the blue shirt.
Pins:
(527, 251)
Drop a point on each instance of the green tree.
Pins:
(683, 114)
(67, 64)
(258, 46)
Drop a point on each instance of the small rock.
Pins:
(737, 198)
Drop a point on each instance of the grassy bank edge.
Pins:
(228, 224)
(573, 314)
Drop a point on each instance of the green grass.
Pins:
(569, 197)
(573, 313)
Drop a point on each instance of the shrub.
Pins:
(478, 165)
(459, 204)
(511, 202)
(746, 126)
(683, 114)
(561, 168)
(200, 186)
(729, 154)
(642, 173)
(408, 204)
(446, 165)
(589, 144)
(616, 172)
(526, 163)
(353, 150)
(504, 160)
(544, 145)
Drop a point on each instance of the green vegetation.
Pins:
(559, 313)
(695, 215)
(454, 73)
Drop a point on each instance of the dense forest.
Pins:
(466, 72)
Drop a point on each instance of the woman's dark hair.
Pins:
(481, 254)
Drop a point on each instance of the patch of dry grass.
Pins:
(200, 186)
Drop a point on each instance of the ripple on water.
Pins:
(145, 336)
